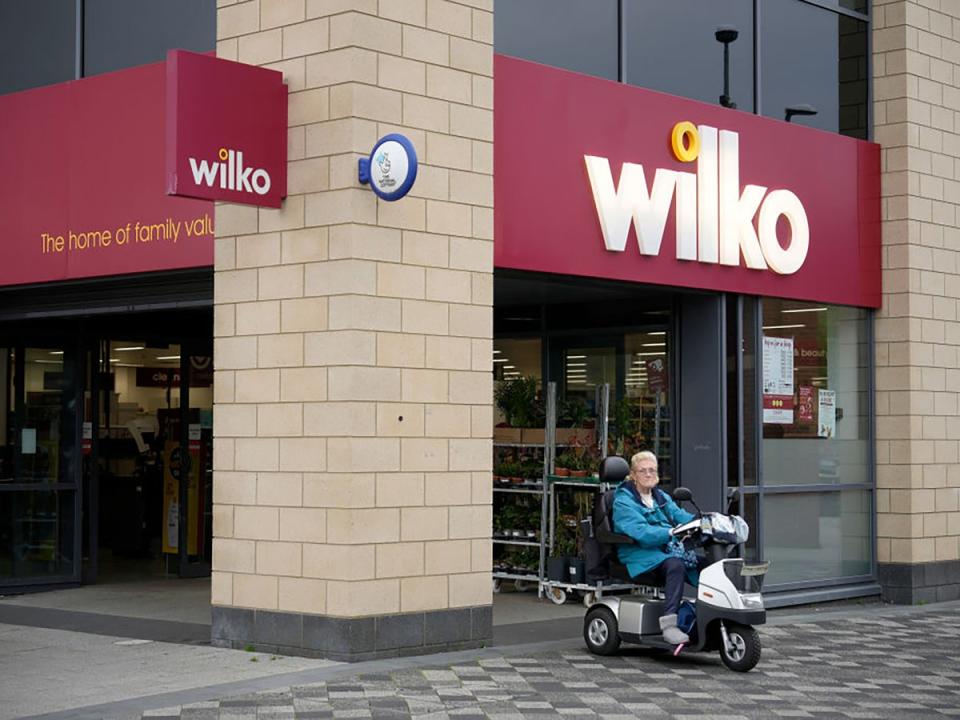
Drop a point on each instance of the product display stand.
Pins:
(558, 590)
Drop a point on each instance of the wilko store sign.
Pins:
(231, 173)
(715, 220)
(82, 183)
(226, 130)
(600, 179)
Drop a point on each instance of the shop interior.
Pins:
(102, 401)
(603, 346)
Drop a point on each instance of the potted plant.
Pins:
(565, 461)
(518, 401)
(575, 423)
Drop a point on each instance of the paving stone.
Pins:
(867, 667)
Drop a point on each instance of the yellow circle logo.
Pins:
(685, 141)
(223, 154)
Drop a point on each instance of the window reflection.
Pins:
(814, 393)
(655, 30)
(816, 57)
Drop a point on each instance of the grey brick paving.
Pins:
(906, 666)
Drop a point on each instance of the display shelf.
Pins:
(525, 490)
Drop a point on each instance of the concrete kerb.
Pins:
(137, 706)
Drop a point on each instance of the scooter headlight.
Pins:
(752, 601)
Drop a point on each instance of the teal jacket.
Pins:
(650, 527)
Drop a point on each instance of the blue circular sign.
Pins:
(391, 167)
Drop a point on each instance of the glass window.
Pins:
(517, 383)
(36, 534)
(816, 536)
(815, 421)
(125, 33)
(571, 34)
(814, 57)
(37, 43)
(672, 47)
(644, 411)
(41, 427)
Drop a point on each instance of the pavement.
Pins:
(859, 661)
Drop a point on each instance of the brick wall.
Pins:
(916, 55)
(353, 386)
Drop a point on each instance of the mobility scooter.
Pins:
(728, 602)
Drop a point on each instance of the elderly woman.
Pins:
(647, 514)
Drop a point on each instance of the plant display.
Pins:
(574, 413)
(578, 458)
(519, 401)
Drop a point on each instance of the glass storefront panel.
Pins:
(816, 536)
(41, 431)
(831, 49)
(140, 458)
(815, 385)
(571, 34)
(644, 411)
(36, 534)
(38, 507)
(653, 31)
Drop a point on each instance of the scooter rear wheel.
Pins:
(600, 631)
(745, 653)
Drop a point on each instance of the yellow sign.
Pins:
(171, 498)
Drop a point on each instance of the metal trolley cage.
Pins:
(559, 591)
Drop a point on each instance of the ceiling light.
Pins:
(56, 352)
(782, 327)
(131, 347)
(801, 310)
(570, 364)
(576, 357)
(651, 353)
(48, 362)
(168, 357)
(510, 367)
(496, 351)
(660, 332)
(653, 345)
(501, 360)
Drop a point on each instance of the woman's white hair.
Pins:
(640, 457)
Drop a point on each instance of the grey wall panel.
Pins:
(701, 438)
(125, 33)
(671, 47)
(37, 43)
(571, 34)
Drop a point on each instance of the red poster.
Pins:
(805, 404)
(657, 374)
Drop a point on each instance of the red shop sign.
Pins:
(601, 179)
(82, 186)
(226, 130)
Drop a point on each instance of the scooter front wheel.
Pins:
(744, 653)
(600, 631)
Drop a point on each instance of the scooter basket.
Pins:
(746, 578)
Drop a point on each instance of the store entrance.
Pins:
(147, 458)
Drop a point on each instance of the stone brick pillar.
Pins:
(353, 384)
(916, 57)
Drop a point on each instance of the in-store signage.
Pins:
(226, 130)
(391, 168)
(600, 179)
(714, 219)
